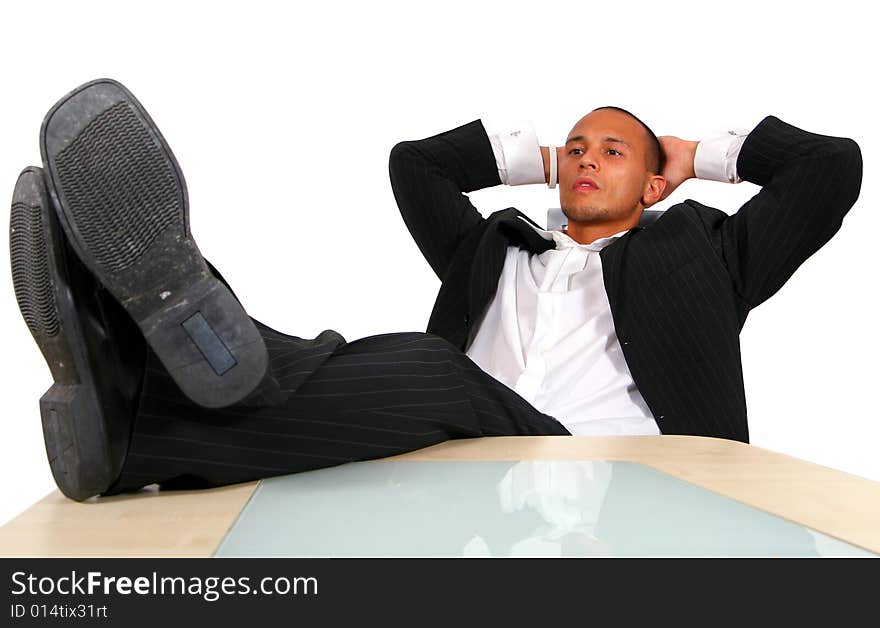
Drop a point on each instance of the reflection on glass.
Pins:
(494, 509)
(567, 497)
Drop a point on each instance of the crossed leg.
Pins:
(371, 398)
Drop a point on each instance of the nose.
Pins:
(589, 160)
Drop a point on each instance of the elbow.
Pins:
(401, 154)
(854, 155)
(398, 152)
(849, 171)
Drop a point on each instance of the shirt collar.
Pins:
(564, 241)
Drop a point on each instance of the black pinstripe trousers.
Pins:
(325, 402)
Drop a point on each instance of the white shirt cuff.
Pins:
(518, 156)
(716, 157)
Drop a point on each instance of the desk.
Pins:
(192, 523)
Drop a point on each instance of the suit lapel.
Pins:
(506, 228)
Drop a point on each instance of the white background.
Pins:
(282, 119)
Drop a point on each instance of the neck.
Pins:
(587, 232)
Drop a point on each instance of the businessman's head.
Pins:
(609, 171)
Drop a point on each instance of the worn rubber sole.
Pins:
(74, 425)
(122, 202)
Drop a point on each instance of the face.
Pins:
(603, 172)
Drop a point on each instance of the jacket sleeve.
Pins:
(430, 178)
(809, 182)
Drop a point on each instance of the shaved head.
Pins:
(654, 154)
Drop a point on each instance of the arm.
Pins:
(429, 179)
(809, 183)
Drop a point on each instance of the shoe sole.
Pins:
(74, 426)
(122, 201)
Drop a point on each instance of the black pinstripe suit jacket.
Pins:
(680, 290)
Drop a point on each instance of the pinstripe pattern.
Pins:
(339, 402)
(680, 290)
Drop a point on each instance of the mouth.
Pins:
(584, 184)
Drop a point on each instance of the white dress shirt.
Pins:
(548, 333)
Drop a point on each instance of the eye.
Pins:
(575, 151)
(614, 151)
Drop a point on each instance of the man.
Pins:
(161, 377)
(613, 327)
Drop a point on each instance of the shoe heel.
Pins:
(74, 452)
(208, 344)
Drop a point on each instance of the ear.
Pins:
(653, 191)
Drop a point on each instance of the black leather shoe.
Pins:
(94, 351)
(122, 202)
